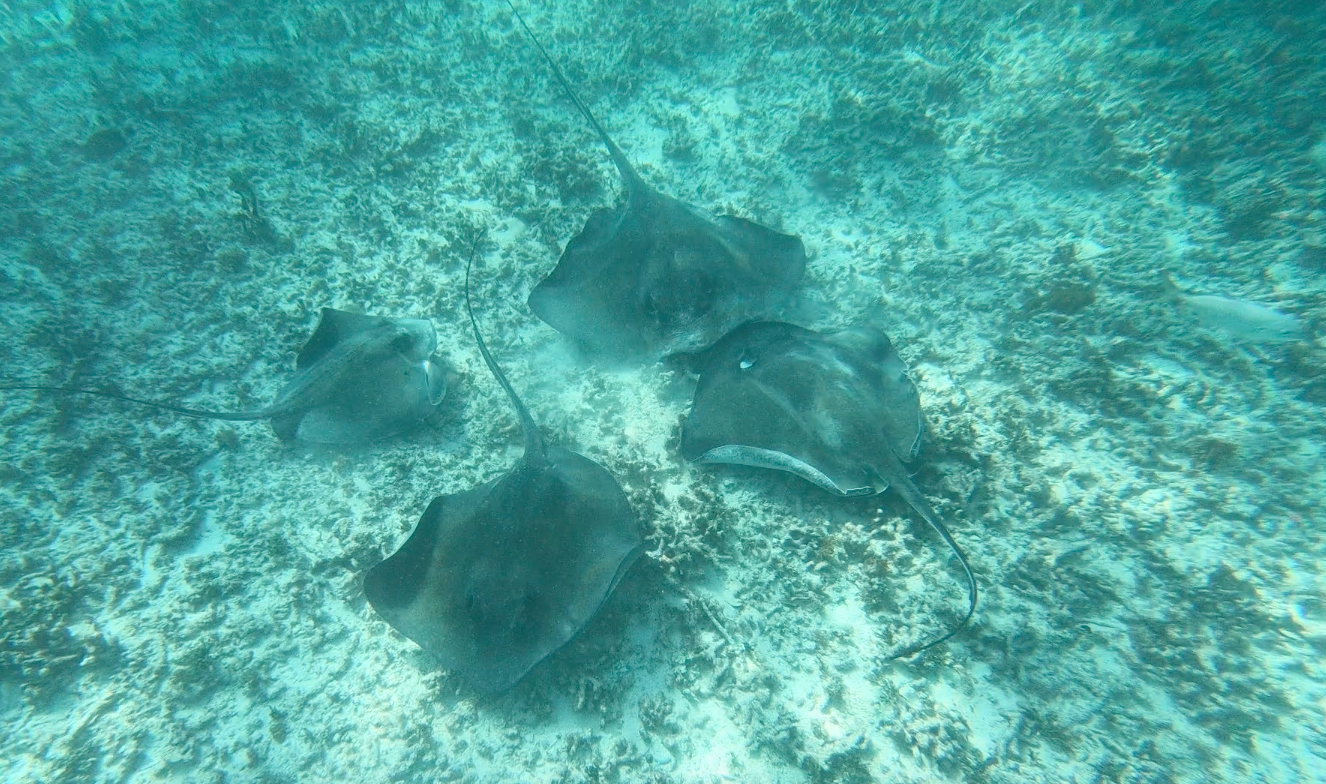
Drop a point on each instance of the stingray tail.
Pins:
(533, 441)
(618, 157)
(917, 501)
(230, 416)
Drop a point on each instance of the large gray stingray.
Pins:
(655, 276)
(496, 578)
(358, 378)
(837, 410)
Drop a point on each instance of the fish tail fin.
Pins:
(1169, 289)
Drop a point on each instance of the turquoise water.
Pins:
(1002, 186)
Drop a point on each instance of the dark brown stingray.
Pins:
(837, 410)
(358, 378)
(655, 276)
(498, 577)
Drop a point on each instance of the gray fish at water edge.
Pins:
(1241, 319)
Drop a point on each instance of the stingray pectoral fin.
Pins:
(335, 328)
(342, 425)
(332, 426)
(756, 457)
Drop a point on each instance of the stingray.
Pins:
(498, 577)
(836, 409)
(358, 378)
(655, 276)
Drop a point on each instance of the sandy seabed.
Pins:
(1000, 184)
